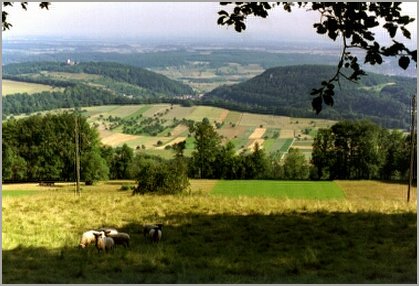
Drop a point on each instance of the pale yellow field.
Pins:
(257, 133)
(360, 191)
(212, 113)
(224, 114)
(116, 139)
(9, 87)
(286, 133)
(179, 130)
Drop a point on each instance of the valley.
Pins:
(273, 133)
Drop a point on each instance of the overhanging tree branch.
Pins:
(352, 21)
(5, 24)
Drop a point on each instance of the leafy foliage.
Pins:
(352, 22)
(295, 165)
(43, 148)
(165, 177)
(360, 150)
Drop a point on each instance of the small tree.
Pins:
(295, 165)
(165, 177)
(207, 145)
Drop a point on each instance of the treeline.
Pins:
(285, 91)
(74, 96)
(361, 150)
(348, 150)
(39, 148)
(119, 72)
(80, 95)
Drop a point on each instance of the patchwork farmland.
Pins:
(272, 133)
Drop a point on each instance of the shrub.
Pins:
(166, 177)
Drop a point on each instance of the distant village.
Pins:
(71, 63)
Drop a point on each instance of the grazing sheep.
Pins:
(88, 238)
(108, 230)
(156, 233)
(121, 238)
(148, 227)
(103, 242)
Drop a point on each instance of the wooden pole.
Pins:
(76, 131)
(412, 143)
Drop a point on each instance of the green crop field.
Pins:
(364, 232)
(279, 189)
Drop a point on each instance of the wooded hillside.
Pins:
(286, 91)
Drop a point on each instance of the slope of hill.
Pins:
(86, 84)
(286, 91)
(118, 72)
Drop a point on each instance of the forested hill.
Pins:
(286, 91)
(119, 72)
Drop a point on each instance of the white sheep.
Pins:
(108, 230)
(103, 242)
(88, 238)
(121, 238)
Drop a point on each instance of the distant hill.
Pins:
(119, 72)
(286, 91)
(86, 84)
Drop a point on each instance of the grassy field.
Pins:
(9, 87)
(279, 189)
(368, 235)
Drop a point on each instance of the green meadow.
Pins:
(358, 232)
(280, 189)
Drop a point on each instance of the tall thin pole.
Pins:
(412, 143)
(76, 131)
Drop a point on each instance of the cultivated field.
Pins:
(9, 87)
(272, 133)
(359, 232)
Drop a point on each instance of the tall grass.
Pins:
(208, 239)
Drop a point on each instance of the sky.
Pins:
(140, 20)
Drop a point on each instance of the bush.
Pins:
(166, 177)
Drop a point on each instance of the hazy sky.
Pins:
(160, 19)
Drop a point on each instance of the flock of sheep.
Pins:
(105, 239)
